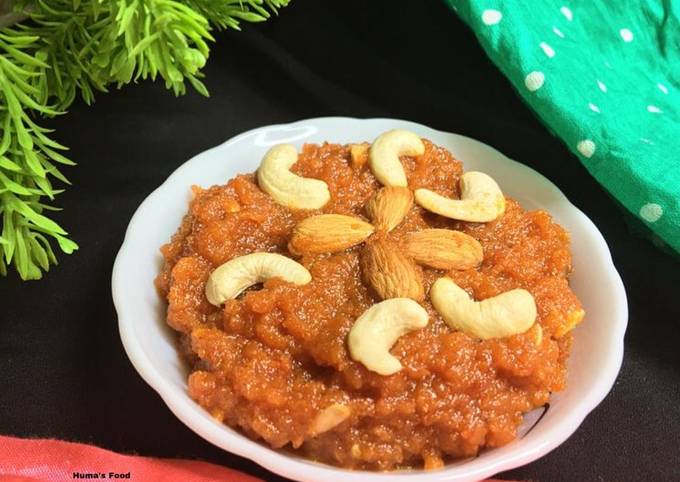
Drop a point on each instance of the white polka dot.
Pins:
(586, 147)
(608, 65)
(534, 81)
(626, 35)
(653, 109)
(594, 108)
(491, 17)
(547, 49)
(646, 141)
(662, 88)
(602, 87)
(651, 212)
(567, 13)
(558, 32)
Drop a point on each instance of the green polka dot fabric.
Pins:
(604, 76)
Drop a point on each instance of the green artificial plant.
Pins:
(58, 49)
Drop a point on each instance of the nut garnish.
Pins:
(481, 200)
(444, 249)
(385, 267)
(390, 272)
(536, 333)
(329, 418)
(379, 327)
(573, 318)
(328, 233)
(393, 272)
(234, 276)
(286, 188)
(384, 155)
(388, 207)
(359, 154)
(507, 314)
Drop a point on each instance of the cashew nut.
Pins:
(329, 418)
(234, 276)
(536, 333)
(379, 327)
(481, 200)
(384, 155)
(359, 154)
(288, 189)
(504, 315)
(572, 319)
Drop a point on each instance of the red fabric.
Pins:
(23, 460)
(54, 460)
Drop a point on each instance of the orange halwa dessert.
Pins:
(300, 360)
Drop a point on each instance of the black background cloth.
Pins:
(63, 371)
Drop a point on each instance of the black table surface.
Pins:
(63, 371)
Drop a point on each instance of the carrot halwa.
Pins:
(271, 360)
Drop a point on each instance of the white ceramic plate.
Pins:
(150, 344)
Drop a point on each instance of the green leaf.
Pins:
(39, 207)
(8, 235)
(125, 17)
(25, 58)
(6, 135)
(13, 186)
(52, 169)
(37, 219)
(23, 136)
(38, 253)
(66, 245)
(5, 163)
(19, 41)
(46, 245)
(21, 77)
(34, 163)
(43, 140)
(23, 259)
(199, 86)
(21, 255)
(45, 186)
(249, 16)
(32, 104)
(144, 43)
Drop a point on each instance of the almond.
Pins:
(389, 206)
(328, 233)
(390, 272)
(444, 249)
(359, 154)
